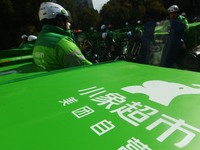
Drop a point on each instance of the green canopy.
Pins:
(112, 106)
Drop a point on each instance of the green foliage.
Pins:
(87, 18)
(116, 12)
(6, 24)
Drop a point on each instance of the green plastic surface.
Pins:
(15, 56)
(193, 35)
(113, 106)
(16, 72)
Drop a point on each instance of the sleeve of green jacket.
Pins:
(184, 21)
(69, 54)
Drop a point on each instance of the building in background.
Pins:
(84, 3)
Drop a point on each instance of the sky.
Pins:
(99, 3)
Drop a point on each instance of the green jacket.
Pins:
(55, 49)
(183, 19)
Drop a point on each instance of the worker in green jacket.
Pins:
(173, 12)
(54, 47)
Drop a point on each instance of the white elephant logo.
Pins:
(162, 92)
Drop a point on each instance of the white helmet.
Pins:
(139, 22)
(92, 28)
(183, 14)
(31, 38)
(103, 27)
(49, 10)
(173, 8)
(104, 35)
(24, 36)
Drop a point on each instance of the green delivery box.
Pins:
(113, 106)
(193, 35)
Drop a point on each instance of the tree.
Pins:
(116, 12)
(155, 10)
(87, 18)
(6, 24)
